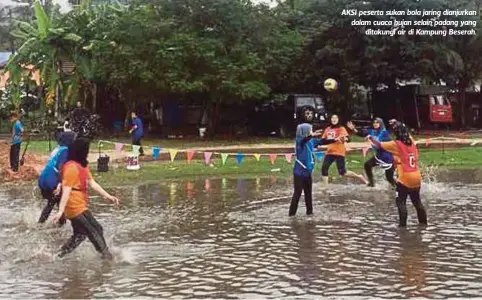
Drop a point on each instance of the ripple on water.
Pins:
(232, 239)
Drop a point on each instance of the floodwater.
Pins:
(231, 238)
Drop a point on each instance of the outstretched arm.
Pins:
(321, 142)
(375, 142)
(96, 187)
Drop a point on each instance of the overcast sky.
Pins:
(64, 4)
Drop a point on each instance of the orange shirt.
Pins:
(331, 133)
(409, 179)
(71, 177)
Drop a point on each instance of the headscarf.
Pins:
(333, 125)
(66, 138)
(402, 133)
(303, 130)
(382, 124)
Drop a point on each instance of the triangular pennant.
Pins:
(427, 142)
(224, 157)
(207, 157)
(155, 152)
(474, 142)
(173, 153)
(190, 155)
(364, 151)
(288, 157)
(118, 147)
(272, 158)
(135, 149)
(257, 156)
(319, 155)
(239, 158)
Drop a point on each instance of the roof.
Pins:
(4, 56)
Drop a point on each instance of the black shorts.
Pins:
(329, 159)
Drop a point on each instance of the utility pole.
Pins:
(12, 42)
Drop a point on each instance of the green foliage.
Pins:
(236, 50)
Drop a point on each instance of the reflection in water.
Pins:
(305, 232)
(156, 192)
(241, 188)
(236, 241)
(79, 282)
(173, 193)
(412, 261)
(190, 190)
(135, 194)
(207, 185)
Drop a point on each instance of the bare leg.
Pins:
(355, 175)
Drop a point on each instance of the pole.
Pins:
(416, 110)
(12, 43)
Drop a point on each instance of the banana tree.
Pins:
(42, 43)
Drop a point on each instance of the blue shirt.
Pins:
(383, 136)
(139, 131)
(17, 132)
(50, 175)
(304, 160)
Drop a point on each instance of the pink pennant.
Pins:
(190, 155)
(207, 157)
(272, 158)
(364, 151)
(288, 157)
(118, 147)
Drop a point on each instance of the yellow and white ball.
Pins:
(331, 84)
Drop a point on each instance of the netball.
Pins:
(330, 84)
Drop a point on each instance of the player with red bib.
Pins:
(409, 180)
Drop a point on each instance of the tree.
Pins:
(41, 48)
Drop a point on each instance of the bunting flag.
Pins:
(207, 157)
(474, 142)
(224, 157)
(288, 157)
(135, 149)
(427, 142)
(190, 155)
(118, 147)
(155, 152)
(173, 153)
(239, 158)
(272, 158)
(257, 156)
(364, 151)
(319, 155)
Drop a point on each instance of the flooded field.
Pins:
(232, 238)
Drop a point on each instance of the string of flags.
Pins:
(207, 155)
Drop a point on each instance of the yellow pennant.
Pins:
(257, 156)
(173, 153)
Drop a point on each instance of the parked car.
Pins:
(281, 117)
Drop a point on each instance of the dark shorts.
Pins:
(329, 159)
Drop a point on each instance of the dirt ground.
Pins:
(29, 171)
